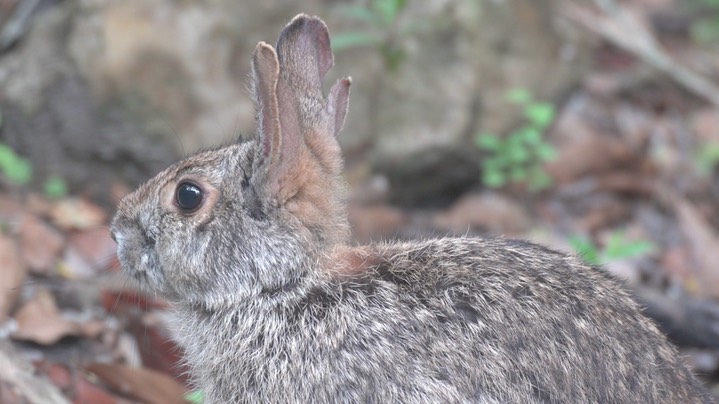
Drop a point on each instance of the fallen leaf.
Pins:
(39, 320)
(705, 124)
(703, 244)
(58, 374)
(121, 301)
(77, 213)
(95, 246)
(38, 205)
(40, 244)
(10, 208)
(74, 266)
(486, 211)
(157, 349)
(373, 222)
(12, 275)
(86, 392)
(603, 212)
(139, 383)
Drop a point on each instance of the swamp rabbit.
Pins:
(250, 244)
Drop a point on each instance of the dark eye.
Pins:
(188, 196)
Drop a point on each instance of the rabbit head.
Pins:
(245, 217)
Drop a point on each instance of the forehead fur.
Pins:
(216, 166)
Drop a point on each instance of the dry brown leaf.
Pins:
(372, 222)
(77, 213)
(705, 124)
(40, 244)
(488, 211)
(10, 208)
(74, 266)
(86, 392)
(704, 249)
(12, 275)
(95, 246)
(584, 149)
(141, 384)
(38, 205)
(39, 320)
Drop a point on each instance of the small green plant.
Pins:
(55, 187)
(705, 30)
(381, 17)
(707, 158)
(518, 157)
(194, 397)
(17, 170)
(618, 247)
(14, 168)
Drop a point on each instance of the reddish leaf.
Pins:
(120, 301)
(12, 274)
(39, 321)
(87, 392)
(141, 384)
(703, 243)
(157, 349)
(40, 244)
(94, 246)
(72, 214)
(487, 211)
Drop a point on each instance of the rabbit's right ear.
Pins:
(266, 71)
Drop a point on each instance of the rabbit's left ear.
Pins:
(297, 126)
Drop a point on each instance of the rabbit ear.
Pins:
(265, 69)
(295, 122)
(338, 103)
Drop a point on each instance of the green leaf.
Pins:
(707, 158)
(541, 114)
(546, 152)
(538, 179)
(393, 57)
(518, 154)
(194, 397)
(360, 13)
(488, 141)
(517, 173)
(519, 96)
(493, 178)
(618, 247)
(705, 31)
(353, 39)
(586, 249)
(19, 172)
(388, 10)
(530, 135)
(7, 156)
(55, 187)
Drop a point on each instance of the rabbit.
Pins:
(250, 244)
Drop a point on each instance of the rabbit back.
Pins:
(450, 320)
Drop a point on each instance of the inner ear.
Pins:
(265, 70)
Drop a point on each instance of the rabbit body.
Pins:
(449, 320)
(249, 242)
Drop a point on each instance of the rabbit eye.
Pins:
(188, 196)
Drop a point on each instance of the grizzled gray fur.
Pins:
(249, 242)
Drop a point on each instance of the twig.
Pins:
(625, 30)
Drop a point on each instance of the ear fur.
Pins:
(297, 126)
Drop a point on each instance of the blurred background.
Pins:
(591, 126)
